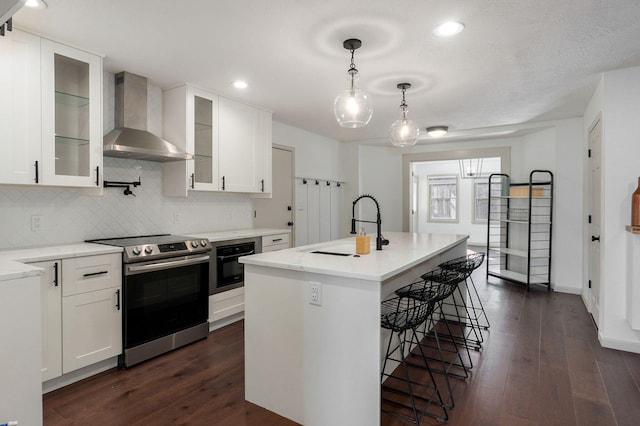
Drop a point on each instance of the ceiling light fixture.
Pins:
(351, 107)
(471, 168)
(36, 4)
(437, 131)
(448, 29)
(239, 84)
(403, 131)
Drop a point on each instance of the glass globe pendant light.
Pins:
(403, 131)
(351, 107)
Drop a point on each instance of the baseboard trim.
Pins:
(621, 345)
(214, 325)
(569, 290)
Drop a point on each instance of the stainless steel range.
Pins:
(165, 293)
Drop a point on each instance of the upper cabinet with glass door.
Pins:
(71, 116)
(191, 123)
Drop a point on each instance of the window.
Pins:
(443, 201)
(480, 200)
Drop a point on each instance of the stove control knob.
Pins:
(148, 249)
(136, 250)
(203, 243)
(194, 244)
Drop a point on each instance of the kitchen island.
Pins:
(313, 342)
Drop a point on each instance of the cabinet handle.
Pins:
(36, 166)
(118, 299)
(55, 274)
(594, 238)
(193, 180)
(275, 240)
(289, 223)
(97, 175)
(262, 183)
(93, 274)
(223, 183)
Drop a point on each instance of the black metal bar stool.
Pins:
(438, 329)
(402, 315)
(468, 264)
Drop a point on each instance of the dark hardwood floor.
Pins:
(540, 364)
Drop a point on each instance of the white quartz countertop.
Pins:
(13, 262)
(238, 233)
(404, 251)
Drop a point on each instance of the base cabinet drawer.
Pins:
(91, 273)
(275, 242)
(225, 304)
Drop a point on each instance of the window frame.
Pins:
(431, 181)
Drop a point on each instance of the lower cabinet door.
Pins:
(91, 328)
(51, 308)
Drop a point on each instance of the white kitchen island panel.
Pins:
(320, 365)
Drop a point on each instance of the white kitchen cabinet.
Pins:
(191, 122)
(91, 315)
(51, 308)
(92, 328)
(71, 116)
(276, 242)
(20, 114)
(244, 134)
(81, 317)
(231, 143)
(51, 114)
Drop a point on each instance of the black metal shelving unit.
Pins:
(519, 228)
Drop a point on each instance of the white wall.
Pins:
(620, 152)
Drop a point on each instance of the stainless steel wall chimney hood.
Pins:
(130, 138)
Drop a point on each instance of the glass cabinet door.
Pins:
(72, 128)
(203, 140)
(72, 111)
(204, 143)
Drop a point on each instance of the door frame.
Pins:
(293, 187)
(588, 292)
(504, 152)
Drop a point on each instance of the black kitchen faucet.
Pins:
(380, 240)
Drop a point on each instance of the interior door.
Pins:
(595, 145)
(277, 211)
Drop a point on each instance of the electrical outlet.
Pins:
(36, 222)
(315, 294)
(176, 218)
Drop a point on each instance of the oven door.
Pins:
(163, 297)
(228, 272)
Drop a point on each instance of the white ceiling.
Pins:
(518, 61)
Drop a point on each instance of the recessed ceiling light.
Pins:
(36, 4)
(448, 29)
(239, 84)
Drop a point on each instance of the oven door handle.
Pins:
(231, 256)
(158, 266)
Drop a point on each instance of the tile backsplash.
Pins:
(71, 215)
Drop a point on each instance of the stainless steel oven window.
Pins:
(163, 297)
(231, 269)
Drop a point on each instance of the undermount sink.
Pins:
(344, 249)
(333, 253)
